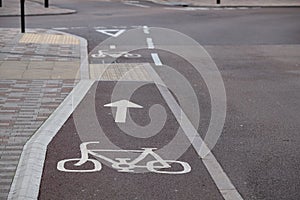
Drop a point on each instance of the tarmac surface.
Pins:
(257, 54)
(33, 8)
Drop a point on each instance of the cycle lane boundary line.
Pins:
(220, 178)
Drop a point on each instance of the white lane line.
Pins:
(112, 46)
(150, 43)
(156, 59)
(223, 183)
(61, 28)
(146, 29)
(137, 5)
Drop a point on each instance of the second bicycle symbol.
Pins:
(129, 165)
(105, 53)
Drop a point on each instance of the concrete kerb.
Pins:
(188, 4)
(27, 178)
(30, 168)
(84, 63)
(41, 14)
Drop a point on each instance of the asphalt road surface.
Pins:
(257, 52)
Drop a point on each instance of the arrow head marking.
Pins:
(122, 107)
(123, 103)
(112, 32)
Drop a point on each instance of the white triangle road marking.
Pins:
(111, 32)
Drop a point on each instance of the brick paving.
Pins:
(27, 101)
(24, 106)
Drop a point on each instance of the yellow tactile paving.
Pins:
(119, 71)
(42, 38)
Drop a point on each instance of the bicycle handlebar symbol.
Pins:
(123, 164)
(104, 53)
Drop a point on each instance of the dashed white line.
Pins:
(112, 46)
(146, 30)
(156, 59)
(150, 43)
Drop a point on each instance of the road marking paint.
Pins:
(156, 59)
(60, 28)
(146, 29)
(135, 4)
(112, 46)
(118, 164)
(218, 175)
(122, 107)
(111, 32)
(150, 43)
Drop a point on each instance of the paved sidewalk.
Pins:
(32, 7)
(267, 3)
(37, 71)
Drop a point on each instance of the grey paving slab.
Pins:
(28, 91)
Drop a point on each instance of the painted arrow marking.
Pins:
(112, 32)
(122, 107)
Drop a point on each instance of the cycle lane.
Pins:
(114, 182)
(115, 156)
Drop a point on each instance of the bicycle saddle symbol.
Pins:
(158, 165)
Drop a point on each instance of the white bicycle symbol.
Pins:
(104, 53)
(123, 164)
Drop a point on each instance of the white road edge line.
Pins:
(150, 43)
(156, 59)
(137, 5)
(223, 183)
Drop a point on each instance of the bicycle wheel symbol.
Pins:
(96, 165)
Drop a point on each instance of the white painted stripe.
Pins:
(60, 28)
(137, 5)
(156, 59)
(112, 46)
(146, 29)
(150, 43)
(220, 178)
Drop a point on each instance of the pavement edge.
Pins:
(189, 4)
(28, 175)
